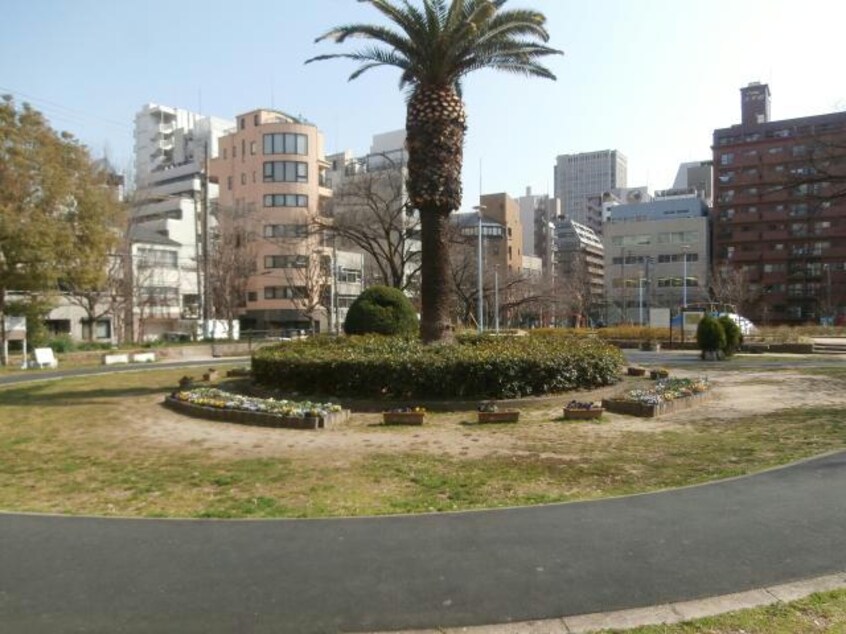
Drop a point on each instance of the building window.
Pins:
(252, 148)
(243, 178)
(252, 296)
(224, 153)
(285, 231)
(349, 276)
(255, 119)
(284, 292)
(234, 151)
(243, 122)
(727, 158)
(102, 329)
(157, 258)
(286, 143)
(285, 261)
(228, 182)
(285, 200)
(285, 172)
(632, 241)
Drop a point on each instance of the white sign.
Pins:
(15, 327)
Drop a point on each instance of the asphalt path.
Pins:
(72, 574)
(47, 375)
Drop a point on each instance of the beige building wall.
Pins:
(278, 186)
(508, 252)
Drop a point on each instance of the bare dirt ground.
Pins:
(147, 424)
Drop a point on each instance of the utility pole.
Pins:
(206, 288)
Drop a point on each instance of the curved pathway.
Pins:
(110, 575)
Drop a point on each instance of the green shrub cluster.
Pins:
(381, 310)
(718, 334)
(476, 367)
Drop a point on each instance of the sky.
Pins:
(650, 78)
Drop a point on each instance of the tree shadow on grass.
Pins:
(41, 395)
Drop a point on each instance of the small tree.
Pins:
(734, 337)
(381, 310)
(710, 337)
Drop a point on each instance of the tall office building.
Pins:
(777, 223)
(580, 176)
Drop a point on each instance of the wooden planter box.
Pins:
(633, 371)
(507, 416)
(650, 346)
(403, 418)
(658, 374)
(583, 414)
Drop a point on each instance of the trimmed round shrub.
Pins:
(734, 337)
(710, 336)
(381, 310)
(404, 368)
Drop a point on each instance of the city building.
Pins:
(580, 283)
(507, 254)
(272, 177)
(538, 214)
(698, 177)
(580, 176)
(778, 230)
(172, 146)
(656, 256)
(371, 212)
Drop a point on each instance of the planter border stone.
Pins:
(256, 419)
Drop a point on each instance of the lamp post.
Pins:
(480, 305)
(496, 298)
(685, 248)
(640, 300)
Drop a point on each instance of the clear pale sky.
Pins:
(651, 78)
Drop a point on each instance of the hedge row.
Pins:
(476, 367)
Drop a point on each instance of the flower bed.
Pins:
(215, 404)
(665, 396)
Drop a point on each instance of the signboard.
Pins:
(15, 328)
(659, 317)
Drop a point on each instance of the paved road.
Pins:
(63, 574)
(47, 375)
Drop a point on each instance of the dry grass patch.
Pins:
(104, 445)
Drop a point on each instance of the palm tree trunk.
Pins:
(435, 324)
(435, 126)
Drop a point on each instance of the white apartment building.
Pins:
(580, 176)
(171, 148)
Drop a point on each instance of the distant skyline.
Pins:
(650, 78)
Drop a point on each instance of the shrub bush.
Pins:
(734, 338)
(61, 344)
(710, 336)
(381, 310)
(477, 367)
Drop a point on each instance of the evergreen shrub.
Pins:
(475, 367)
(710, 335)
(381, 310)
(734, 337)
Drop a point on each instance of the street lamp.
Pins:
(640, 281)
(685, 248)
(480, 306)
(496, 298)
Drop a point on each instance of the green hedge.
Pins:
(476, 367)
(381, 310)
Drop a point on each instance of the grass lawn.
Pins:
(821, 612)
(88, 446)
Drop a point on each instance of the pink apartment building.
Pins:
(271, 173)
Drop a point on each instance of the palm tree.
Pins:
(435, 46)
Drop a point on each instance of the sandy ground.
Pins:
(146, 423)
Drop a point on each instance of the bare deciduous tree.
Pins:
(372, 214)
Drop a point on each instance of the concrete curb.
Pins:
(665, 614)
